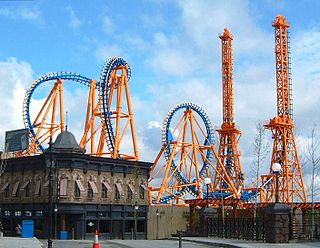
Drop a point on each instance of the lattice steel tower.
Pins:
(229, 134)
(291, 185)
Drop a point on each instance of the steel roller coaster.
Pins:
(101, 111)
(188, 153)
(190, 156)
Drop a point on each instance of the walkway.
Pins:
(234, 243)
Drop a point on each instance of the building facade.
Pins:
(88, 193)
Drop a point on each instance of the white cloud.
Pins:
(154, 124)
(74, 20)
(105, 52)
(21, 13)
(15, 76)
(108, 25)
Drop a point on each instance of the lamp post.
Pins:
(158, 214)
(136, 207)
(207, 181)
(276, 167)
(55, 221)
(50, 163)
(222, 208)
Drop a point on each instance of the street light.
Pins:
(158, 214)
(207, 181)
(136, 207)
(55, 222)
(50, 158)
(276, 167)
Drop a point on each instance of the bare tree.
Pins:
(260, 151)
(313, 158)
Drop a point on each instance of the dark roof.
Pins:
(66, 142)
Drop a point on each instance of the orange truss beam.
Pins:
(189, 155)
(229, 134)
(45, 129)
(291, 184)
(91, 129)
(120, 107)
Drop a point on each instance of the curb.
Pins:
(209, 243)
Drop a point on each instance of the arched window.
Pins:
(104, 191)
(117, 193)
(90, 191)
(77, 191)
(141, 192)
(129, 192)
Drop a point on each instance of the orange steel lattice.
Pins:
(45, 129)
(120, 112)
(291, 185)
(91, 129)
(190, 156)
(229, 134)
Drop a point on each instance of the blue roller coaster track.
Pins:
(68, 76)
(105, 85)
(167, 137)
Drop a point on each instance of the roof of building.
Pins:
(66, 142)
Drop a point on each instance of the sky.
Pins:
(173, 50)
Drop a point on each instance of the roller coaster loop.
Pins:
(190, 157)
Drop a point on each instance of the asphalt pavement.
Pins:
(187, 242)
(125, 244)
(16, 242)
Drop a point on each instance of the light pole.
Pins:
(55, 221)
(222, 208)
(50, 163)
(276, 167)
(136, 207)
(207, 181)
(158, 214)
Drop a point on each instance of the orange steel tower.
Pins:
(291, 185)
(229, 134)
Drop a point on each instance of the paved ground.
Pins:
(126, 244)
(13, 242)
(8, 242)
(250, 244)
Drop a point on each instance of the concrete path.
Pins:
(16, 242)
(233, 243)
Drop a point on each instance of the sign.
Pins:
(17, 140)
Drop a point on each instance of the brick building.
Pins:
(89, 192)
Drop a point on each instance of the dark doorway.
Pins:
(117, 229)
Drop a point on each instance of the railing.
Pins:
(304, 227)
(239, 228)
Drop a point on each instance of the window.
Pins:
(90, 191)
(104, 191)
(15, 190)
(37, 190)
(28, 213)
(141, 193)
(117, 193)
(17, 213)
(77, 191)
(39, 213)
(6, 189)
(7, 213)
(27, 190)
(129, 192)
(64, 187)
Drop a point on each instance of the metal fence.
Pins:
(300, 227)
(239, 228)
(305, 227)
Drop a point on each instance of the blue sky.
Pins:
(174, 52)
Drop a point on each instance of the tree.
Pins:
(313, 158)
(260, 151)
